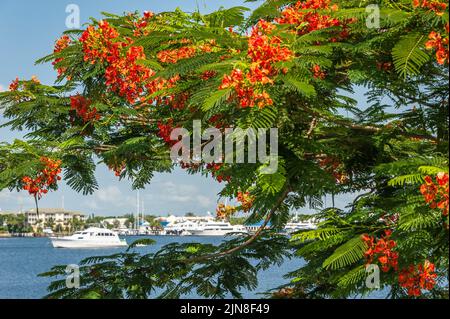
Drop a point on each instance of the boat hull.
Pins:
(207, 232)
(70, 243)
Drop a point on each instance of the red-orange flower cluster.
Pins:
(173, 56)
(414, 279)
(215, 168)
(165, 129)
(440, 44)
(333, 166)
(14, 86)
(45, 179)
(436, 194)
(184, 52)
(318, 73)
(82, 107)
(159, 84)
(123, 74)
(434, 5)
(264, 51)
(117, 168)
(246, 200)
(141, 24)
(382, 250)
(179, 101)
(208, 75)
(218, 121)
(225, 211)
(384, 66)
(305, 16)
(60, 45)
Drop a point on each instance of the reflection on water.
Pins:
(22, 259)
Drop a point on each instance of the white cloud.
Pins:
(14, 201)
(205, 201)
(181, 194)
(175, 189)
(110, 196)
(108, 193)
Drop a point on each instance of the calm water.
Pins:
(22, 259)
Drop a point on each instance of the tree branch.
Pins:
(369, 128)
(249, 240)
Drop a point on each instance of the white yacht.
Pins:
(90, 238)
(184, 228)
(217, 229)
(296, 226)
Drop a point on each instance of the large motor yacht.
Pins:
(217, 229)
(183, 228)
(90, 238)
(297, 226)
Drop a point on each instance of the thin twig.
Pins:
(312, 126)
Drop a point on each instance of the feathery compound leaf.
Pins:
(406, 179)
(141, 242)
(408, 54)
(353, 277)
(416, 219)
(321, 233)
(432, 170)
(303, 88)
(216, 98)
(347, 254)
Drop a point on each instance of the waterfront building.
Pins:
(58, 216)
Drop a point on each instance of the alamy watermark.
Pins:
(73, 19)
(373, 276)
(229, 145)
(373, 18)
(73, 276)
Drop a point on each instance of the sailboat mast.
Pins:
(143, 211)
(137, 211)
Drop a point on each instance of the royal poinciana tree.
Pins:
(126, 81)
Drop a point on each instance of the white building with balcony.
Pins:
(58, 216)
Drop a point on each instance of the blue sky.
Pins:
(28, 30)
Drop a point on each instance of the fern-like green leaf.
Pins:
(406, 179)
(353, 277)
(303, 88)
(215, 99)
(408, 54)
(346, 254)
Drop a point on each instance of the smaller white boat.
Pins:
(47, 231)
(90, 238)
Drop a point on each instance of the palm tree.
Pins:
(116, 224)
(76, 223)
(59, 228)
(50, 223)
